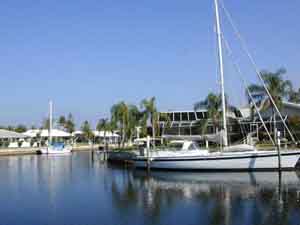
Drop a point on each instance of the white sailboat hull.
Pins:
(245, 161)
(51, 150)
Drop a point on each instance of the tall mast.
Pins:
(221, 69)
(50, 120)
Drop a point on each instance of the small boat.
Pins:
(54, 147)
(235, 158)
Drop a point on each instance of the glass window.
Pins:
(184, 116)
(176, 146)
(205, 115)
(199, 115)
(177, 116)
(192, 147)
(175, 124)
(192, 116)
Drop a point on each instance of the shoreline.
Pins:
(33, 151)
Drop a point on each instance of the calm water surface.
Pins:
(74, 190)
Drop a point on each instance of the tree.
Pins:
(86, 130)
(119, 118)
(134, 118)
(276, 85)
(70, 124)
(294, 123)
(149, 107)
(294, 96)
(46, 124)
(62, 122)
(103, 125)
(10, 128)
(278, 88)
(21, 128)
(212, 103)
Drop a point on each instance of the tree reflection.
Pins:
(224, 202)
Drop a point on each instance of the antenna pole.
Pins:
(220, 54)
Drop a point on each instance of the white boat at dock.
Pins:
(227, 158)
(54, 147)
(237, 158)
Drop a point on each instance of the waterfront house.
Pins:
(175, 123)
(11, 139)
(40, 136)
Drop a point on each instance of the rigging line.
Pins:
(245, 48)
(236, 66)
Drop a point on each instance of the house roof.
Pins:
(45, 133)
(291, 104)
(10, 134)
(106, 134)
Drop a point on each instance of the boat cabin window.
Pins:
(193, 146)
(176, 145)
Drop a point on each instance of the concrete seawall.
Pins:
(32, 151)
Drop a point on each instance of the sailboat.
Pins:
(229, 158)
(54, 147)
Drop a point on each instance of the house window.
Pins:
(177, 116)
(192, 116)
(199, 115)
(184, 116)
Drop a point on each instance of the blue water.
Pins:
(76, 190)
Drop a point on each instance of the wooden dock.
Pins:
(120, 157)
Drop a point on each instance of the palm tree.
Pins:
(134, 118)
(278, 88)
(103, 125)
(70, 124)
(119, 118)
(62, 122)
(212, 104)
(86, 130)
(167, 123)
(149, 107)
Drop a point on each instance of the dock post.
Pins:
(148, 153)
(280, 192)
(206, 144)
(278, 150)
(105, 151)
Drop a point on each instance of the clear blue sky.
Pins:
(88, 54)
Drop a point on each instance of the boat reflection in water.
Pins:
(79, 189)
(213, 198)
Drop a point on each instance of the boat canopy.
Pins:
(215, 138)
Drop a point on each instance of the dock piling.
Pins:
(278, 150)
(148, 154)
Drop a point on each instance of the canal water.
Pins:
(76, 190)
